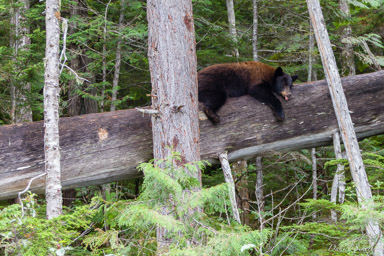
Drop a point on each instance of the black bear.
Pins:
(259, 80)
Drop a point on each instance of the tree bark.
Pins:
(232, 25)
(116, 75)
(240, 169)
(259, 191)
(51, 111)
(74, 101)
(223, 157)
(338, 180)
(21, 109)
(254, 31)
(104, 70)
(344, 120)
(310, 55)
(173, 68)
(314, 177)
(348, 64)
(106, 147)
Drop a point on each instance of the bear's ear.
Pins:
(279, 72)
(294, 78)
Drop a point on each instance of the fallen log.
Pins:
(106, 147)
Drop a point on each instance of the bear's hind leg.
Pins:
(211, 115)
(213, 100)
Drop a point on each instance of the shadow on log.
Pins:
(106, 147)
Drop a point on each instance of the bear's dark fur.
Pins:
(259, 80)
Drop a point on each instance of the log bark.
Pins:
(106, 147)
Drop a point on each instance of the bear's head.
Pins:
(282, 83)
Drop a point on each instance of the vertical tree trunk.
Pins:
(348, 63)
(240, 169)
(115, 83)
(21, 109)
(254, 31)
(104, 58)
(314, 177)
(223, 157)
(339, 174)
(232, 25)
(74, 101)
(173, 68)
(51, 110)
(259, 191)
(310, 52)
(344, 120)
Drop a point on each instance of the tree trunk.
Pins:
(172, 63)
(310, 54)
(74, 101)
(104, 59)
(344, 120)
(51, 111)
(240, 169)
(254, 31)
(223, 157)
(259, 191)
(314, 177)
(115, 83)
(338, 180)
(232, 25)
(348, 64)
(107, 147)
(20, 109)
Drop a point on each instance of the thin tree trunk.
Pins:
(314, 177)
(51, 111)
(223, 157)
(20, 108)
(348, 64)
(240, 169)
(115, 83)
(259, 191)
(370, 55)
(310, 52)
(105, 188)
(342, 182)
(254, 31)
(339, 174)
(74, 101)
(344, 121)
(232, 25)
(173, 68)
(104, 58)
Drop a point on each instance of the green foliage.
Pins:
(289, 245)
(170, 199)
(228, 244)
(31, 234)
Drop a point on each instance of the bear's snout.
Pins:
(286, 95)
